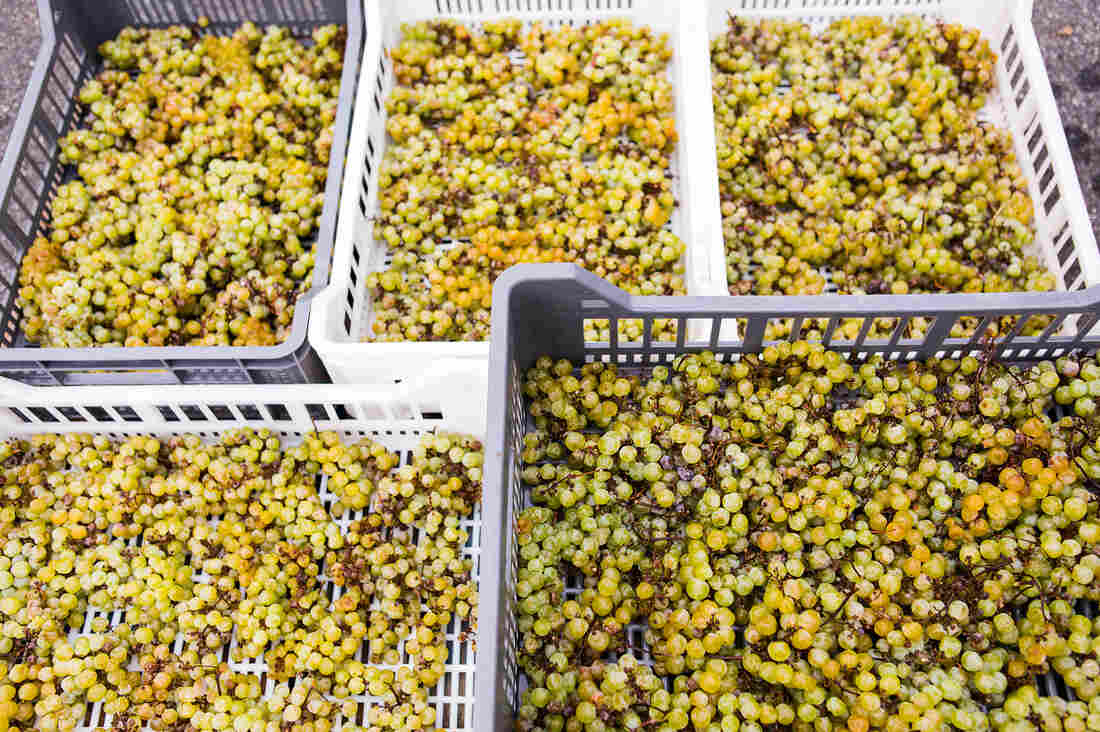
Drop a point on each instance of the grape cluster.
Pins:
(858, 158)
(137, 573)
(510, 145)
(200, 169)
(797, 541)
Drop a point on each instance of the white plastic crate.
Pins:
(342, 313)
(1022, 103)
(395, 416)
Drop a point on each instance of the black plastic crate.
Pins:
(30, 174)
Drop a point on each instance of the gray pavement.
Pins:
(18, 47)
(1069, 33)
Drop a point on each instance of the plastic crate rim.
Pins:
(444, 385)
(810, 306)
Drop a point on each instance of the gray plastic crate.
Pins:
(540, 310)
(30, 174)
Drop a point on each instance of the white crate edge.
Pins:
(449, 396)
(350, 361)
(1065, 240)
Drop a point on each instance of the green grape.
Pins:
(133, 571)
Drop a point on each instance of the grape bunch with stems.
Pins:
(510, 145)
(199, 174)
(859, 160)
(137, 574)
(797, 541)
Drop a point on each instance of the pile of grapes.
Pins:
(795, 541)
(200, 170)
(133, 571)
(511, 145)
(858, 158)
